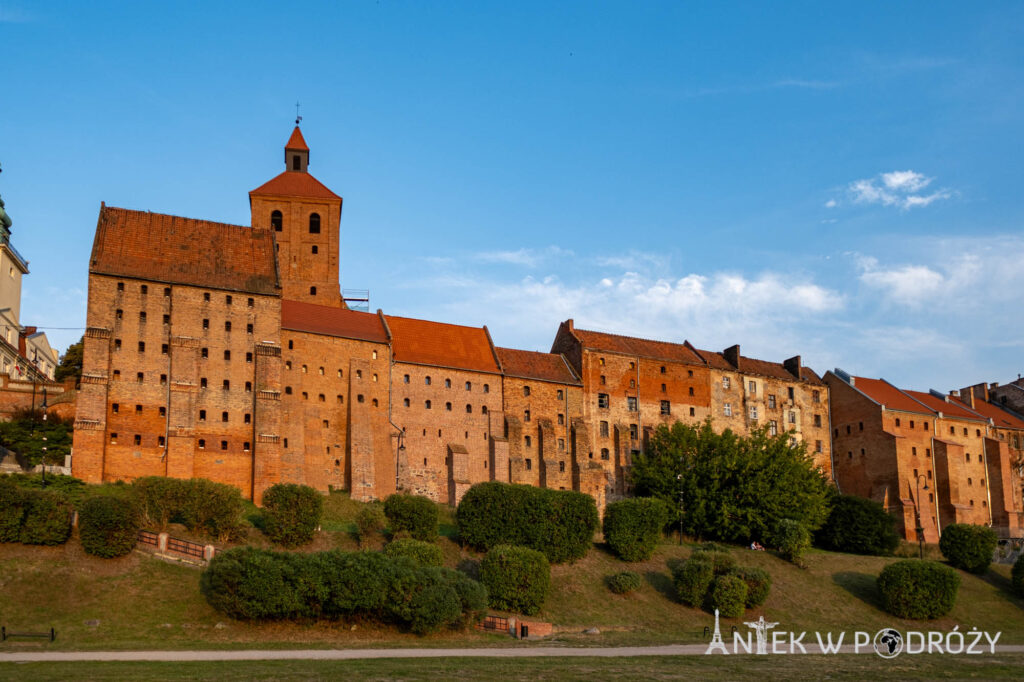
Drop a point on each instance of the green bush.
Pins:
(722, 561)
(47, 519)
(693, 579)
(633, 527)
(72, 489)
(968, 547)
(291, 513)
(859, 526)
(1017, 576)
(558, 523)
(412, 514)
(728, 595)
(759, 584)
(423, 553)
(517, 578)
(624, 583)
(108, 526)
(255, 584)
(214, 509)
(918, 589)
(13, 505)
(791, 539)
(370, 521)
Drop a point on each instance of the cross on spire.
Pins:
(298, 119)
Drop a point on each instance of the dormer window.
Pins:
(314, 223)
(276, 221)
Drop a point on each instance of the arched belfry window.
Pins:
(296, 163)
(276, 221)
(314, 223)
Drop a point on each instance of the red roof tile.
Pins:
(296, 141)
(629, 345)
(527, 364)
(330, 321)
(445, 345)
(295, 184)
(953, 408)
(881, 391)
(178, 250)
(715, 360)
(1000, 417)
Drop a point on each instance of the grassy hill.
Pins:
(142, 602)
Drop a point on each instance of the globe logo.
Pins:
(888, 643)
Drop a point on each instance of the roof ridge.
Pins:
(105, 208)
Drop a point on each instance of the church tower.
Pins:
(305, 217)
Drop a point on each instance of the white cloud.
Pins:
(907, 284)
(524, 257)
(831, 203)
(897, 188)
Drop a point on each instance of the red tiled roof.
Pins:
(629, 345)
(296, 141)
(953, 408)
(1000, 417)
(715, 360)
(528, 364)
(178, 250)
(445, 345)
(881, 391)
(295, 184)
(330, 321)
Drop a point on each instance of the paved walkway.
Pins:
(350, 654)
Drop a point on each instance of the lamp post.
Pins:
(917, 510)
(398, 457)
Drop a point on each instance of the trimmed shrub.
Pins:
(693, 579)
(517, 578)
(624, 583)
(722, 561)
(968, 547)
(255, 584)
(47, 519)
(13, 505)
(728, 595)
(108, 526)
(214, 509)
(558, 523)
(370, 521)
(291, 513)
(759, 584)
(859, 526)
(1017, 576)
(633, 527)
(791, 539)
(252, 584)
(423, 553)
(918, 589)
(412, 514)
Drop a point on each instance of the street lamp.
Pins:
(917, 510)
(44, 406)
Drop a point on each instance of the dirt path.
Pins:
(349, 654)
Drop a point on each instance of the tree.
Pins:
(25, 432)
(71, 362)
(733, 488)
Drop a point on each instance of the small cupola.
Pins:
(296, 153)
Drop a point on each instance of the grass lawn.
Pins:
(139, 602)
(846, 667)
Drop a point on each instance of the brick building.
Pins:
(926, 453)
(227, 352)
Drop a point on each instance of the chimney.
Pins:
(570, 324)
(793, 366)
(732, 355)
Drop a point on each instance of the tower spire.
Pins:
(296, 153)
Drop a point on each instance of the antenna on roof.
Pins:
(298, 119)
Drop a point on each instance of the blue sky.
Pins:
(842, 183)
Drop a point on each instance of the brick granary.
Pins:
(227, 352)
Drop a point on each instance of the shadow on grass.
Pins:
(1003, 584)
(662, 583)
(863, 586)
(470, 568)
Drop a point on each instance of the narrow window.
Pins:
(202, 443)
(248, 387)
(202, 382)
(693, 412)
(248, 357)
(725, 382)
(167, 319)
(206, 296)
(138, 409)
(204, 352)
(447, 383)
(113, 438)
(140, 377)
(631, 403)
(142, 316)
(115, 407)
(405, 379)
(427, 404)
(117, 344)
(314, 223)
(448, 407)
(206, 323)
(224, 416)
(604, 428)
(223, 445)
(138, 439)
(469, 408)
(666, 407)
(144, 289)
(227, 385)
(227, 326)
(312, 291)
(602, 400)
(487, 388)
(202, 415)
(559, 394)
(248, 328)
(526, 391)
(406, 402)
(276, 221)
(160, 441)
(245, 446)
(164, 349)
(315, 250)
(227, 355)
(142, 346)
(252, 302)
(120, 286)
(163, 411)
(604, 453)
